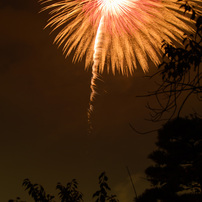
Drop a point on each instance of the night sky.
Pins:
(43, 114)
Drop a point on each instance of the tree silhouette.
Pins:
(180, 72)
(69, 193)
(37, 192)
(102, 195)
(16, 200)
(178, 162)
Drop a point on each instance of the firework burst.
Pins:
(118, 35)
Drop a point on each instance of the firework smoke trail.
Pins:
(133, 31)
(95, 74)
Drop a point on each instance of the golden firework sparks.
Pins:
(117, 35)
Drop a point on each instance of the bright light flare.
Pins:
(113, 7)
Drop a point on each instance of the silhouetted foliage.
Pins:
(178, 162)
(37, 192)
(180, 72)
(69, 193)
(16, 200)
(112, 198)
(102, 195)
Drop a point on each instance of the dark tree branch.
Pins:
(180, 74)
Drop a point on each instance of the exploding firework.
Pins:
(118, 35)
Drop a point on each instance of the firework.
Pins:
(116, 35)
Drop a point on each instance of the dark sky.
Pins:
(43, 114)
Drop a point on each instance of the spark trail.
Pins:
(96, 57)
